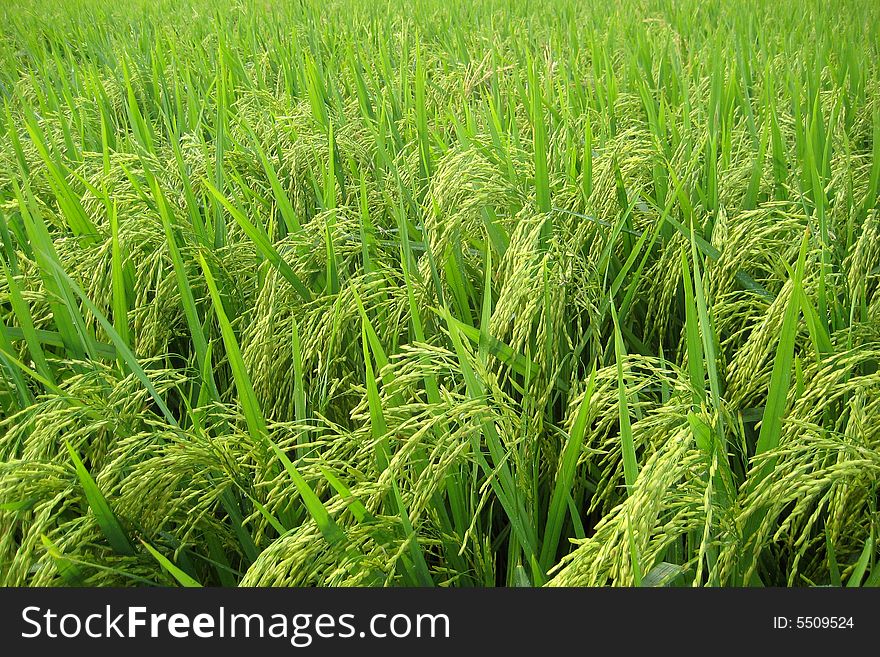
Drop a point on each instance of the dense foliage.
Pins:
(439, 293)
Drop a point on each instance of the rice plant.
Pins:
(445, 293)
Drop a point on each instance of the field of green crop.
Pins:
(440, 293)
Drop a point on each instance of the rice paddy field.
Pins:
(439, 293)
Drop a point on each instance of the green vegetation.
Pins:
(440, 293)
